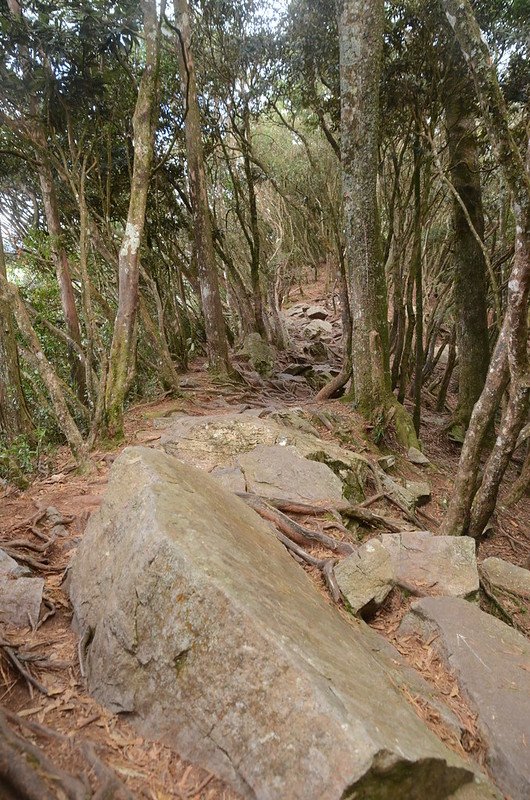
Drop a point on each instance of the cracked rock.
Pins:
(366, 577)
(490, 662)
(433, 565)
(217, 642)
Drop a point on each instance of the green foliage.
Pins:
(21, 458)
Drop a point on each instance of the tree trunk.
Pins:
(469, 508)
(361, 48)
(207, 270)
(14, 415)
(123, 348)
(469, 286)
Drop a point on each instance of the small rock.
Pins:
(317, 312)
(260, 355)
(489, 660)
(415, 456)
(421, 491)
(8, 566)
(20, 600)
(298, 369)
(386, 462)
(366, 577)
(507, 577)
(317, 328)
(297, 310)
(433, 565)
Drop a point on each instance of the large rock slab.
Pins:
(507, 577)
(204, 630)
(281, 472)
(491, 662)
(433, 565)
(366, 577)
(217, 440)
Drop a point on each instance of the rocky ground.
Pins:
(356, 515)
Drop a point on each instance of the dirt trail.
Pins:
(67, 715)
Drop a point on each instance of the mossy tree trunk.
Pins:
(123, 348)
(469, 287)
(214, 325)
(361, 27)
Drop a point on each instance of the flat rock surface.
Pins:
(209, 635)
(491, 662)
(366, 577)
(281, 472)
(507, 577)
(433, 565)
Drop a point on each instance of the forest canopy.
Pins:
(171, 175)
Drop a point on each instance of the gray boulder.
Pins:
(415, 456)
(317, 312)
(366, 577)
(506, 577)
(490, 662)
(433, 565)
(203, 629)
(20, 596)
(317, 328)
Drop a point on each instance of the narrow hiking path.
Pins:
(61, 714)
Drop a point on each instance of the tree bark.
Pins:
(123, 348)
(217, 343)
(361, 49)
(469, 286)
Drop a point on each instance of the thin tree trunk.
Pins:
(123, 348)
(217, 343)
(469, 283)
(15, 418)
(509, 361)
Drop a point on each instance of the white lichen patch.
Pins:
(131, 240)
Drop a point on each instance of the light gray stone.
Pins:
(8, 566)
(490, 661)
(421, 491)
(20, 600)
(317, 312)
(433, 565)
(207, 633)
(507, 577)
(415, 456)
(281, 472)
(317, 328)
(366, 577)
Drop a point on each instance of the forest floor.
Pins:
(66, 716)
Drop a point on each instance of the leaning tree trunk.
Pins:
(37, 136)
(123, 348)
(14, 415)
(361, 27)
(214, 325)
(473, 502)
(469, 285)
